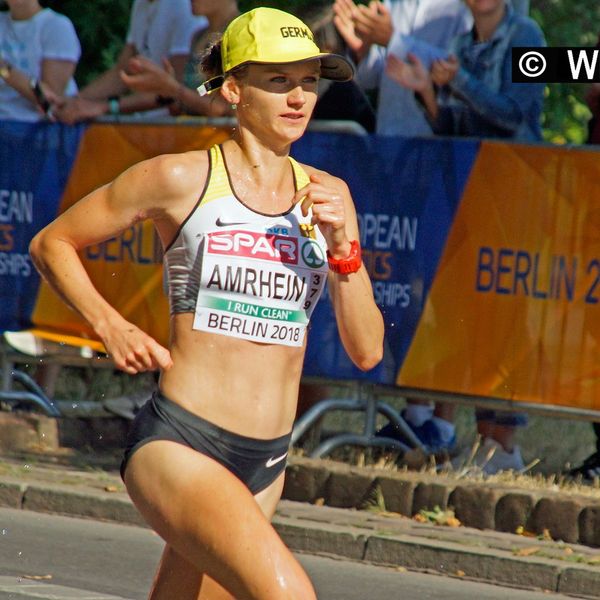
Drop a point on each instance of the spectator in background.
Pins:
(337, 100)
(423, 27)
(158, 29)
(39, 51)
(144, 75)
(426, 27)
(471, 93)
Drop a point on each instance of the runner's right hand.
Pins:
(134, 351)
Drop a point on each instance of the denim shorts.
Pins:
(257, 463)
(502, 417)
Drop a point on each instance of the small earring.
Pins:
(233, 106)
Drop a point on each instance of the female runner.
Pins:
(250, 237)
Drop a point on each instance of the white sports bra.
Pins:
(243, 273)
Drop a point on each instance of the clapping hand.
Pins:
(345, 12)
(144, 75)
(410, 74)
(444, 71)
(362, 25)
(373, 23)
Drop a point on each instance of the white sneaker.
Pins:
(33, 345)
(500, 460)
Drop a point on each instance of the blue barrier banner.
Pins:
(484, 256)
(35, 163)
(406, 193)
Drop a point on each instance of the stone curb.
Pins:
(443, 557)
(62, 500)
(353, 535)
(567, 517)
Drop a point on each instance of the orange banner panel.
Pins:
(126, 270)
(514, 310)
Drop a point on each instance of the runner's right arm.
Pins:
(152, 189)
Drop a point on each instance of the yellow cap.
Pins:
(271, 36)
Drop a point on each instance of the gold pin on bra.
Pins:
(307, 230)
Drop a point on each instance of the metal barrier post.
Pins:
(368, 404)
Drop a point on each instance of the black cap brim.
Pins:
(336, 67)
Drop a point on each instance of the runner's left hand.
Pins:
(325, 196)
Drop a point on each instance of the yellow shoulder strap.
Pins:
(218, 182)
(300, 174)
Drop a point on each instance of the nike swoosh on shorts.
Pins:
(273, 461)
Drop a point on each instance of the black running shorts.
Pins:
(257, 463)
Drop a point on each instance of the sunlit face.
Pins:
(278, 100)
(485, 7)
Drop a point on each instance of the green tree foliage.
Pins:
(567, 23)
(102, 26)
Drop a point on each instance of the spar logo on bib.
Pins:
(249, 244)
(312, 255)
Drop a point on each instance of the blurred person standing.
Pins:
(425, 27)
(471, 92)
(39, 51)
(158, 30)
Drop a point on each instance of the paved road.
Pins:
(89, 560)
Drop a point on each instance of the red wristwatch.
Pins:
(350, 264)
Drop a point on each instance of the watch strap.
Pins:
(350, 264)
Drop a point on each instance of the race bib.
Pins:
(259, 286)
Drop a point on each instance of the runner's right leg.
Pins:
(207, 515)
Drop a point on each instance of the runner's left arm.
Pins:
(359, 320)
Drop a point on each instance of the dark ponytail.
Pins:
(210, 61)
(211, 64)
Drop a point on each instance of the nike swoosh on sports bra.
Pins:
(242, 273)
